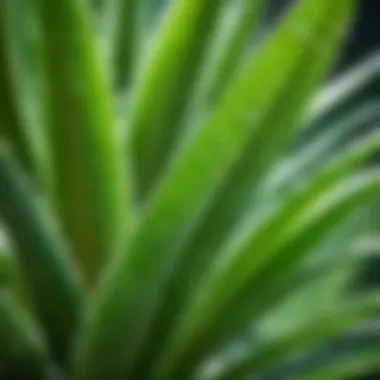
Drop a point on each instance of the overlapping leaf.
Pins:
(165, 87)
(224, 308)
(339, 320)
(270, 119)
(221, 239)
(133, 285)
(22, 350)
(124, 42)
(51, 278)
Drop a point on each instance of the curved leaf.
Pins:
(271, 224)
(334, 357)
(268, 121)
(353, 87)
(352, 367)
(128, 299)
(343, 318)
(310, 156)
(233, 294)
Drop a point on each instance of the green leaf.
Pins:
(232, 44)
(22, 350)
(292, 290)
(19, 23)
(165, 88)
(234, 293)
(358, 341)
(11, 278)
(240, 141)
(51, 279)
(332, 265)
(339, 320)
(124, 24)
(271, 117)
(353, 87)
(97, 5)
(349, 367)
(295, 307)
(127, 301)
(12, 127)
(87, 174)
(154, 10)
(6, 262)
(303, 161)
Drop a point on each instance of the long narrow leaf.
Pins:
(268, 121)
(351, 367)
(231, 299)
(236, 30)
(306, 159)
(234, 198)
(274, 117)
(124, 309)
(86, 165)
(234, 41)
(22, 350)
(165, 88)
(340, 320)
(333, 356)
(12, 126)
(49, 274)
(357, 342)
(124, 44)
(358, 84)
(11, 279)
(312, 287)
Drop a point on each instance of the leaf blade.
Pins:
(12, 124)
(339, 320)
(51, 280)
(183, 196)
(22, 350)
(234, 316)
(87, 174)
(165, 88)
(300, 73)
(123, 37)
(235, 42)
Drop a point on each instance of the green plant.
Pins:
(162, 189)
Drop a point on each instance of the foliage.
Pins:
(178, 197)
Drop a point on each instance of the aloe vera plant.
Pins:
(179, 194)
